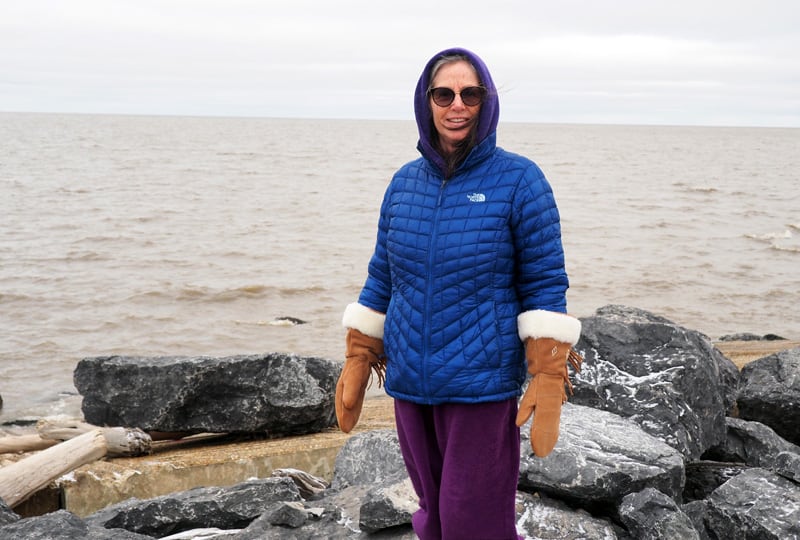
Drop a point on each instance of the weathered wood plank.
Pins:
(20, 480)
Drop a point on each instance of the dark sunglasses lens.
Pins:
(443, 96)
(472, 96)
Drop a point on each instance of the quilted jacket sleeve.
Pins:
(541, 278)
(377, 289)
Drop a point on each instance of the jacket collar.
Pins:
(479, 153)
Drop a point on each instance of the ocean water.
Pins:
(176, 235)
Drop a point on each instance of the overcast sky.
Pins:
(700, 62)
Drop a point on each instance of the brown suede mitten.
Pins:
(547, 363)
(363, 354)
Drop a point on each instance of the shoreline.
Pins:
(742, 353)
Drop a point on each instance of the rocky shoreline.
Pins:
(665, 437)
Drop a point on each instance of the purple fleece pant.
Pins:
(463, 460)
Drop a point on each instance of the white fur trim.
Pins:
(367, 321)
(539, 323)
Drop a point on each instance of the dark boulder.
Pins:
(277, 394)
(543, 517)
(599, 459)
(757, 445)
(671, 381)
(388, 506)
(770, 393)
(696, 511)
(755, 505)
(651, 515)
(63, 525)
(232, 507)
(369, 459)
(704, 476)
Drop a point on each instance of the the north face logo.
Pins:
(476, 197)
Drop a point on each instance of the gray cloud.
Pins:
(712, 62)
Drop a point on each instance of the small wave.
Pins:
(73, 256)
(794, 226)
(702, 189)
(71, 190)
(789, 249)
(260, 291)
(7, 298)
(301, 291)
(148, 295)
(780, 241)
(195, 294)
(248, 292)
(770, 236)
(238, 154)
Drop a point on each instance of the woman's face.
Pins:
(453, 122)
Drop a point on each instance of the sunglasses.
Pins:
(470, 96)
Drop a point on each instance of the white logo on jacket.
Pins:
(476, 197)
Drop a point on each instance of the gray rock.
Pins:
(757, 445)
(63, 525)
(326, 527)
(729, 379)
(370, 496)
(755, 505)
(542, 517)
(599, 458)
(651, 515)
(787, 464)
(334, 517)
(704, 476)
(369, 459)
(696, 510)
(7, 515)
(741, 336)
(388, 506)
(288, 514)
(770, 393)
(206, 533)
(671, 381)
(100, 533)
(276, 394)
(225, 508)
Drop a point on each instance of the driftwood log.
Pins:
(120, 441)
(82, 443)
(65, 443)
(22, 479)
(128, 442)
(13, 444)
(53, 430)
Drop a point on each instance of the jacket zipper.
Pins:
(428, 293)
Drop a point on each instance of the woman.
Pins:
(466, 284)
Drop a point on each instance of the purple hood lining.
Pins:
(487, 119)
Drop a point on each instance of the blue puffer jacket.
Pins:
(456, 262)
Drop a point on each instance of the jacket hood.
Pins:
(487, 119)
